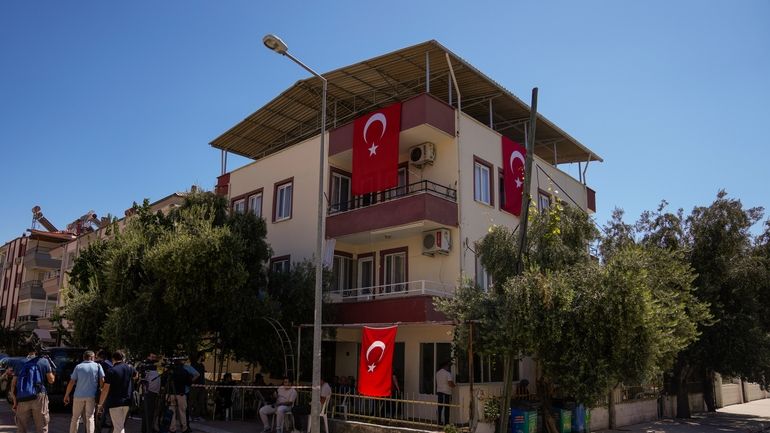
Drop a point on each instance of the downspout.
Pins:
(459, 172)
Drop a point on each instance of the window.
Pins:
(280, 264)
(486, 368)
(483, 280)
(255, 204)
(282, 200)
(394, 270)
(501, 188)
(432, 355)
(342, 273)
(482, 181)
(401, 189)
(239, 206)
(365, 273)
(543, 200)
(340, 192)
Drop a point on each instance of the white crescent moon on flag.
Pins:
(516, 155)
(377, 117)
(373, 346)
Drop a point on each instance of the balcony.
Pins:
(32, 289)
(408, 302)
(40, 259)
(51, 283)
(423, 201)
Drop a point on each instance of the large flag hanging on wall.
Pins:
(375, 371)
(375, 150)
(514, 155)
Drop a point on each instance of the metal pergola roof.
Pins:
(294, 115)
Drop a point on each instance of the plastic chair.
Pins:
(323, 416)
(342, 407)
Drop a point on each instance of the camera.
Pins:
(170, 361)
(146, 365)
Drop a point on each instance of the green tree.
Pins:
(167, 283)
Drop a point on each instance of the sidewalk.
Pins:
(740, 418)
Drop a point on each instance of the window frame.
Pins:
(337, 206)
(239, 206)
(276, 189)
(279, 260)
(258, 193)
(348, 259)
(479, 162)
(421, 382)
(543, 194)
(383, 277)
(486, 284)
(373, 274)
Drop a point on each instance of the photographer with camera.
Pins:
(28, 391)
(149, 381)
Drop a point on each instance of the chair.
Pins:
(323, 416)
(342, 407)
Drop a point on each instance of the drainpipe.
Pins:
(459, 172)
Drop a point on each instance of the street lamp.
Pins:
(275, 43)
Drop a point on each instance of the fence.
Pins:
(408, 409)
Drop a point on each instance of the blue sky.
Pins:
(105, 103)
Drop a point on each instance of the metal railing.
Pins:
(407, 409)
(420, 187)
(637, 392)
(395, 290)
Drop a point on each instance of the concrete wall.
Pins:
(753, 391)
(731, 394)
(669, 404)
(600, 418)
(634, 412)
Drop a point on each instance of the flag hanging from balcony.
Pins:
(375, 371)
(375, 150)
(514, 155)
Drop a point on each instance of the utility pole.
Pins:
(510, 359)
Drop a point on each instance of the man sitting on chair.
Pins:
(287, 395)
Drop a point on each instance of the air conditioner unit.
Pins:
(422, 154)
(436, 241)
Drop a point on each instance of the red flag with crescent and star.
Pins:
(375, 371)
(375, 150)
(514, 155)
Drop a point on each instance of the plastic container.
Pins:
(523, 421)
(579, 419)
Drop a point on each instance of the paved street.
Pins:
(749, 417)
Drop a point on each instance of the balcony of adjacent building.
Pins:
(40, 259)
(52, 282)
(32, 289)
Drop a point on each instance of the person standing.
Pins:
(181, 379)
(103, 359)
(444, 384)
(198, 393)
(287, 395)
(117, 390)
(150, 381)
(28, 393)
(86, 379)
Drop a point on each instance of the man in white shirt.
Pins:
(444, 384)
(287, 395)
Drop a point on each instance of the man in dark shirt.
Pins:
(117, 391)
(198, 394)
(103, 358)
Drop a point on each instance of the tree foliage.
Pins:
(169, 283)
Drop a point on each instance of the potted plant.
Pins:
(489, 406)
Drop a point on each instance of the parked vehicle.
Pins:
(65, 358)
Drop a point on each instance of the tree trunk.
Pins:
(708, 391)
(505, 406)
(545, 393)
(681, 374)
(611, 408)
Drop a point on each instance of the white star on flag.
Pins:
(373, 150)
(518, 182)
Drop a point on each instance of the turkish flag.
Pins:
(375, 150)
(375, 371)
(514, 155)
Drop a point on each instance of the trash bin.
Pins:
(563, 420)
(523, 421)
(579, 419)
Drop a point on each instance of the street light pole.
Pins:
(276, 44)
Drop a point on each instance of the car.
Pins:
(65, 359)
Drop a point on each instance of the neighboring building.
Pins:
(387, 266)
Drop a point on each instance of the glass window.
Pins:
(486, 368)
(341, 274)
(340, 194)
(280, 265)
(543, 201)
(283, 201)
(432, 355)
(255, 204)
(501, 189)
(395, 272)
(239, 206)
(483, 280)
(366, 274)
(481, 182)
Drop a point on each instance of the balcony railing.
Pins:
(421, 187)
(396, 290)
(32, 289)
